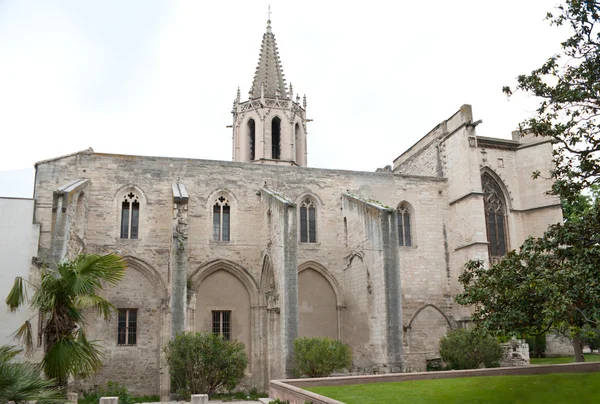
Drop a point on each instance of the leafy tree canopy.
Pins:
(568, 85)
(552, 282)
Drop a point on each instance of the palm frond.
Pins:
(25, 335)
(102, 306)
(72, 355)
(90, 271)
(7, 352)
(22, 382)
(17, 295)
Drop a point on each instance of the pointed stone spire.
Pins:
(269, 72)
(238, 96)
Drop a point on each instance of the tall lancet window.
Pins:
(252, 138)
(130, 216)
(404, 227)
(495, 216)
(308, 222)
(276, 138)
(221, 219)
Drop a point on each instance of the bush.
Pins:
(469, 349)
(112, 389)
(591, 337)
(537, 345)
(203, 363)
(318, 357)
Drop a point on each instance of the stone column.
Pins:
(179, 259)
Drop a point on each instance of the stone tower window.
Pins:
(308, 222)
(127, 327)
(221, 219)
(130, 216)
(495, 216)
(404, 227)
(276, 138)
(252, 138)
(221, 323)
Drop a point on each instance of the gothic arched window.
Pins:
(276, 138)
(252, 137)
(130, 216)
(221, 219)
(404, 227)
(495, 215)
(308, 222)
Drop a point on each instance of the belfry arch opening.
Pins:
(252, 138)
(276, 138)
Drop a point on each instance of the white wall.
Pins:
(18, 244)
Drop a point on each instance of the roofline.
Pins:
(89, 150)
(239, 163)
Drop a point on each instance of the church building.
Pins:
(265, 249)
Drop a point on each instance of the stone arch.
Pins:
(339, 297)
(424, 307)
(319, 302)
(250, 130)
(149, 272)
(505, 190)
(226, 296)
(231, 267)
(424, 331)
(137, 365)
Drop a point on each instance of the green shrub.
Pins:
(203, 363)
(469, 349)
(318, 357)
(537, 345)
(591, 337)
(111, 389)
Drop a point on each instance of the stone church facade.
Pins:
(264, 249)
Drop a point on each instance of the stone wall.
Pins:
(356, 258)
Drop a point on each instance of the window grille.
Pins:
(127, 327)
(221, 323)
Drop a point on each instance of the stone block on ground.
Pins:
(199, 398)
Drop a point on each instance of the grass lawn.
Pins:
(567, 359)
(572, 388)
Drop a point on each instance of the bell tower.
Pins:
(270, 127)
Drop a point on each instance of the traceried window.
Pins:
(404, 227)
(127, 327)
(276, 138)
(221, 219)
(252, 138)
(130, 216)
(221, 323)
(495, 215)
(308, 222)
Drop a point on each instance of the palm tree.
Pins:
(21, 382)
(60, 299)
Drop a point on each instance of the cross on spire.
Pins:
(269, 14)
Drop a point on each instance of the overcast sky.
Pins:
(152, 77)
